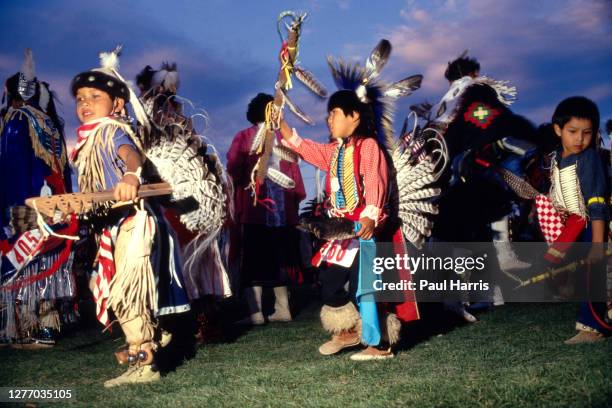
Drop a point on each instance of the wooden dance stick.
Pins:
(82, 202)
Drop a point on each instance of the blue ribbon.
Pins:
(370, 327)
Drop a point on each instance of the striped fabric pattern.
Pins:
(349, 182)
(343, 167)
(106, 271)
(340, 203)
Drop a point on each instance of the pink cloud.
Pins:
(599, 92)
(344, 4)
(506, 39)
(586, 15)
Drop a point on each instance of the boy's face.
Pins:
(92, 103)
(340, 125)
(575, 136)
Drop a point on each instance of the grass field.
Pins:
(513, 357)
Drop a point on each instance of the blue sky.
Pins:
(226, 51)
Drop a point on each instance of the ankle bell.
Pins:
(132, 359)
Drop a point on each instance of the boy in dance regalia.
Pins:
(204, 273)
(138, 274)
(481, 133)
(358, 184)
(476, 122)
(579, 189)
(33, 161)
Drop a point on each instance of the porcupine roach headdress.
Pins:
(417, 160)
(370, 89)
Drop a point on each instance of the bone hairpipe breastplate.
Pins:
(566, 190)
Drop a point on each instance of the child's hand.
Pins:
(367, 228)
(127, 188)
(596, 254)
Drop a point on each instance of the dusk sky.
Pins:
(227, 51)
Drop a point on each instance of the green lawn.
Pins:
(513, 357)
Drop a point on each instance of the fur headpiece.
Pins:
(104, 78)
(108, 79)
(365, 82)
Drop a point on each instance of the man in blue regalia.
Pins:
(33, 162)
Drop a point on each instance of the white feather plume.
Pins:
(167, 77)
(28, 68)
(110, 60)
(171, 81)
(159, 77)
(258, 139)
(280, 178)
(361, 93)
(177, 161)
(45, 97)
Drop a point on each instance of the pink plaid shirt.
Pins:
(373, 170)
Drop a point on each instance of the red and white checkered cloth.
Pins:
(551, 221)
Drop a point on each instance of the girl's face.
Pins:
(575, 136)
(340, 125)
(92, 103)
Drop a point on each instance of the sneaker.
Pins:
(468, 317)
(280, 317)
(372, 353)
(585, 337)
(135, 375)
(339, 342)
(459, 309)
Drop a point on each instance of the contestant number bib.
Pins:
(340, 252)
(23, 247)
